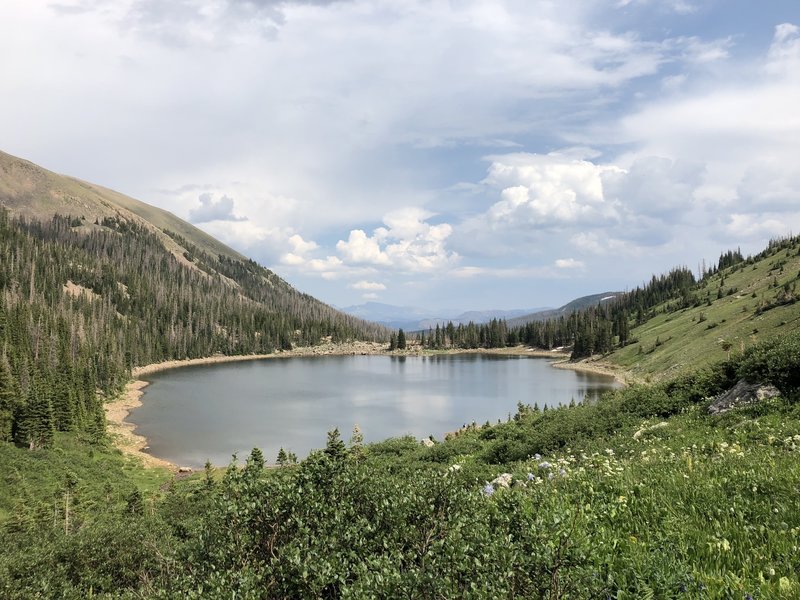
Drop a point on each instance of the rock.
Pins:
(428, 443)
(184, 469)
(503, 480)
(742, 394)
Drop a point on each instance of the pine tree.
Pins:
(335, 447)
(36, 423)
(282, 459)
(9, 401)
(401, 340)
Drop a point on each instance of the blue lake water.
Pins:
(210, 412)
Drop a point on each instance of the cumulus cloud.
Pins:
(407, 243)
(210, 209)
(601, 207)
(544, 191)
(301, 246)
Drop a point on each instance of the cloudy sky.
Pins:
(439, 153)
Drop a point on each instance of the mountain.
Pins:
(569, 308)
(413, 318)
(27, 190)
(90, 288)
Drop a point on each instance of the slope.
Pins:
(32, 192)
(731, 310)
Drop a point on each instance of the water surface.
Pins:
(210, 412)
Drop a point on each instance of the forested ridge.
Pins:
(607, 326)
(82, 303)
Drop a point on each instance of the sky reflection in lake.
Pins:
(210, 412)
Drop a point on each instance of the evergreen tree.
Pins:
(335, 447)
(401, 340)
(282, 459)
(9, 401)
(36, 423)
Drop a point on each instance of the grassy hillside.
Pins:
(30, 191)
(741, 305)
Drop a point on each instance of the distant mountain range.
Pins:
(567, 309)
(412, 318)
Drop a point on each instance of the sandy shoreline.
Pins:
(135, 445)
(123, 433)
(597, 367)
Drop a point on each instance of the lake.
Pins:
(209, 412)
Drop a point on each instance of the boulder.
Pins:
(503, 480)
(742, 394)
(428, 443)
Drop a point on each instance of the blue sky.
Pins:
(495, 154)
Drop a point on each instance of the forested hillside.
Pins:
(82, 303)
(673, 322)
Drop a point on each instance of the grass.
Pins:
(33, 481)
(675, 342)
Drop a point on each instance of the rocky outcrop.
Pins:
(742, 394)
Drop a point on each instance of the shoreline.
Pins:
(598, 367)
(130, 443)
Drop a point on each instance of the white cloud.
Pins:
(368, 285)
(784, 53)
(300, 246)
(292, 260)
(407, 243)
(360, 248)
(551, 190)
(750, 227)
(569, 263)
(210, 209)
(744, 131)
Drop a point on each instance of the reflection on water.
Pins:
(210, 412)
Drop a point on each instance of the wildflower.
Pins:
(562, 472)
(531, 476)
(544, 465)
(550, 475)
(454, 468)
(537, 456)
(488, 489)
